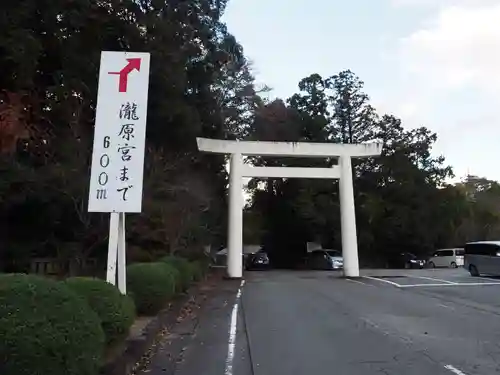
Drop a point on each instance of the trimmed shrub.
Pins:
(150, 285)
(183, 266)
(46, 328)
(176, 276)
(116, 311)
(197, 270)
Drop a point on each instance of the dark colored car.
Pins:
(406, 260)
(257, 261)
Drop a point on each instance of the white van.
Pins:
(447, 258)
(483, 258)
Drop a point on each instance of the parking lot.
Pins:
(447, 285)
(436, 321)
(436, 277)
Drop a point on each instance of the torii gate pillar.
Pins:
(235, 219)
(348, 219)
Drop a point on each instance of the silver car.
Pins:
(325, 259)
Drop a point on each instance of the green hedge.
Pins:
(184, 268)
(115, 310)
(46, 329)
(197, 270)
(150, 285)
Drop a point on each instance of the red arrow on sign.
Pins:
(133, 64)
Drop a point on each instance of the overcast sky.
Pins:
(434, 63)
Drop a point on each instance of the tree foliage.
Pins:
(200, 85)
(404, 201)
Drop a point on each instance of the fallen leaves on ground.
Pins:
(197, 295)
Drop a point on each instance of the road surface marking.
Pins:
(358, 282)
(454, 370)
(457, 284)
(232, 333)
(385, 281)
(433, 279)
(446, 306)
(490, 278)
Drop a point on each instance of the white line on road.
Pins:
(490, 278)
(358, 282)
(457, 284)
(433, 279)
(232, 333)
(383, 280)
(446, 306)
(454, 370)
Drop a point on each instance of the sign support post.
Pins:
(118, 153)
(122, 263)
(117, 251)
(112, 247)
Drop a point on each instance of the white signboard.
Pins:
(120, 133)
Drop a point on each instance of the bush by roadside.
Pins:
(184, 268)
(46, 328)
(198, 270)
(151, 286)
(116, 311)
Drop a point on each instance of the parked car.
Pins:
(257, 261)
(406, 260)
(482, 257)
(447, 258)
(325, 259)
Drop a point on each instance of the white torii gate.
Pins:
(342, 171)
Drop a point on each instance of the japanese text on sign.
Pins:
(118, 154)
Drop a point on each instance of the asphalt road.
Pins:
(387, 322)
